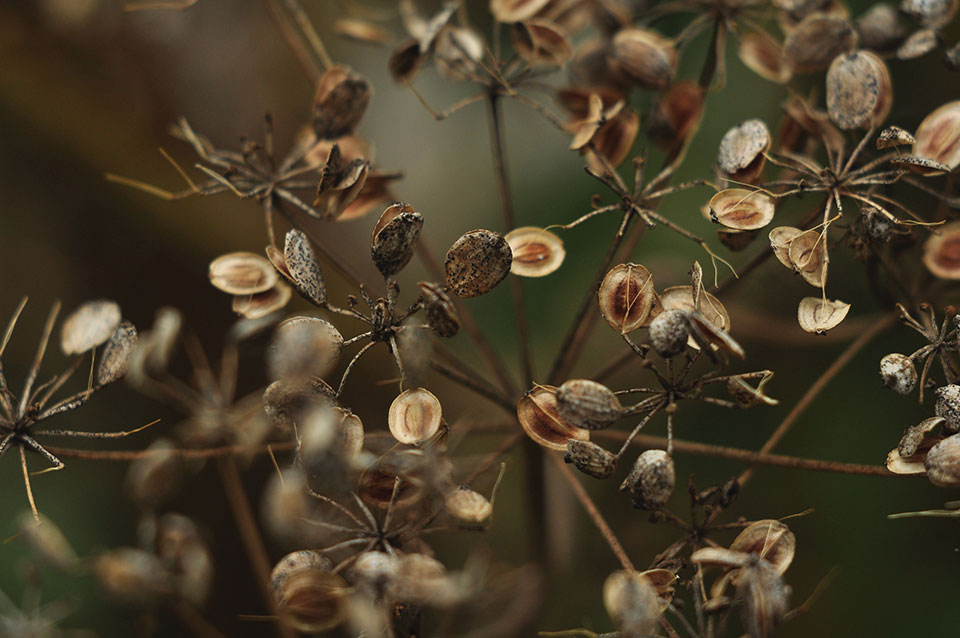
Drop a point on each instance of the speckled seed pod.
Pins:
(477, 262)
(914, 436)
(395, 238)
(880, 28)
(817, 40)
(646, 57)
(930, 13)
(588, 404)
(947, 406)
(893, 137)
(590, 458)
(113, 362)
(651, 480)
(467, 505)
(943, 462)
(339, 103)
(859, 90)
(741, 154)
(898, 373)
(302, 267)
(440, 312)
(669, 332)
(88, 326)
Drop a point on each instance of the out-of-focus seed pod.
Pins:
(541, 43)
(48, 541)
(769, 539)
(516, 10)
(538, 415)
(943, 462)
(930, 13)
(817, 40)
(440, 312)
(89, 326)
(423, 580)
(631, 602)
(395, 238)
(262, 304)
(162, 338)
(303, 347)
(415, 416)
(627, 297)
(287, 510)
(330, 438)
(669, 333)
(536, 252)
(764, 56)
(285, 399)
(132, 576)
(242, 273)
(741, 209)
(879, 28)
(646, 57)
(156, 476)
(308, 594)
(303, 268)
(477, 262)
(587, 404)
(113, 361)
(808, 256)
(676, 115)
(938, 136)
(362, 31)
(405, 60)
(893, 137)
(651, 481)
(918, 44)
(178, 544)
(613, 141)
(375, 570)
(765, 597)
(951, 57)
(898, 373)
(859, 90)
(457, 53)
(819, 315)
(947, 406)
(814, 123)
(941, 252)
(741, 155)
(339, 103)
(467, 505)
(376, 487)
(916, 436)
(590, 458)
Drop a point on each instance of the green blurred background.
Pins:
(87, 89)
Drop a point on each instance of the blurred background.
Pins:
(87, 89)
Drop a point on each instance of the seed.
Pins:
(46, 539)
(242, 273)
(898, 373)
(262, 304)
(681, 298)
(941, 253)
(89, 326)
(536, 252)
(631, 602)
(808, 256)
(915, 436)
(341, 182)
(300, 262)
(310, 596)
(415, 416)
(880, 28)
(375, 569)
(930, 13)
(943, 462)
(113, 362)
(769, 539)
(468, 506)
(516, 10)
(613, 141)
(627, 298)
(947, 406)
(894, 136)
(477, 262)
(742, 149)
(859, 91)
(590, 458)
(303, 347)
(780, 239)
(440, 312)
(764, 56)
(541, 43)
(651, 480)
(918, 44)
(646, 57)
(741, 209)
(920, 165)
(817, 40)
(938, 136)
(405, 61)
(395, 238)
(339, 103)
(819, 315)
(669, 333)
(132, 576)
(587, 404)
(540, 419)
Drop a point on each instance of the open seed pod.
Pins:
(536, 252)
(879, 28)
(742, 209)
(541, 43)
(415, 416)
(908, 465)
(467, 505)
(401, 471)
(941, 252)
(310, 596)
(242, 273)
(764, 56)
(780, 239)
(540, 418)
(646, 57)
(477, 262)
(627, 298)
(651, 481)
(301, 267)
(917, 436)
(942, 462)
(440, 312)
(339, 103)
(817, 40)
(613, 141)
(262, 304)
(632, 602)
(341, 183)
(587, 404)
(859, 90)
(303, 347)
(741, 155)
(516, 10)
(918, 44)
(113, 361)
(808, 256)
(395, 238)
(819, 315)
(769, 539)
(711, 311)
(590, 458)
(947, 406)
(595, 116)
(898, 373)
(938, 136)
(90, 325)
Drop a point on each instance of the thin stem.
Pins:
(309, 33)
(485, 464)
(26, 482)
(472, 384)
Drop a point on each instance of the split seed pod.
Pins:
(808, 256)
(769, 539)
(415, 416)
(590, 458)
(627, 298)
(898, 373)
(262, 304)
(631, 601)
(242, 273)
(395, 238)
(943, 462)
(947, 406)
(741, 209)
(113, 362)
(477, 262)
(780, 239)
(587, 404)
(339, 103)
(440, 312)
(303, 347)
(706, 323)
(915, 436)
(741, 155)
(859, 90)
(301, 267)
(536, 252)
(651, 481)
(311, 597)
(89, 326)
(541, 43)
(938, 136)
(646, 57)
(819, 315)
(467, 505)
(538, 415)
(817, 40)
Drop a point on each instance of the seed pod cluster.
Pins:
(651, 481)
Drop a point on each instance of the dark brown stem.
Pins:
(133, 455)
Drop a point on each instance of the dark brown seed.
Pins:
(587, 404)
(340, 102)
(440, 312)
(477, 262)
(303, 268)
(395, 238)
(817, 40)
(405, 61)
(651, 480)
(590, 458)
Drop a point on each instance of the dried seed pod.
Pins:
(89, 326)
(177, 542)
(879, 28)
(132, 576)
(765, 597)
(908, 466)
(920, 165)
(341, 182)
(423, 580)
(947, 406)
(302, 267)
(819, 315)
(329, 439)
(817, 40)
(651, 480)
(405, 60)
(676, 115)
(918, 44)
(477, 262)
(764, 56)
(440, 312)
(915, 436)
(813, 122)
(46, 539)
(669, 332)
(590, 458)
(943, 462)
(339, 103)
(710, 310)
(632, 603)
(930, 13)
(808, 256)
(627, 298)
(362, 31)
(415, 416)
(516, 10)
(898, 373)
(741, 155)
(303, 347)
(938, 136)
(288, 511)
(310, 596)
(154, 477)
(741, 209)
(859, 90)
(162, 338)
(541, 43)
(466, 505)
(376, 488)
(780, 239)
(893, 137)
(394, 238)
(587, 404)
(113, 362)
(536, 252)
(941, 252)
(375, 569)
(457, 52)
(613, 141)
(539, 416)
(262, 304)
(285, 399)
(769, 539)
(242, 273)
(646, 57)
(584, 129)
(951, 57)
